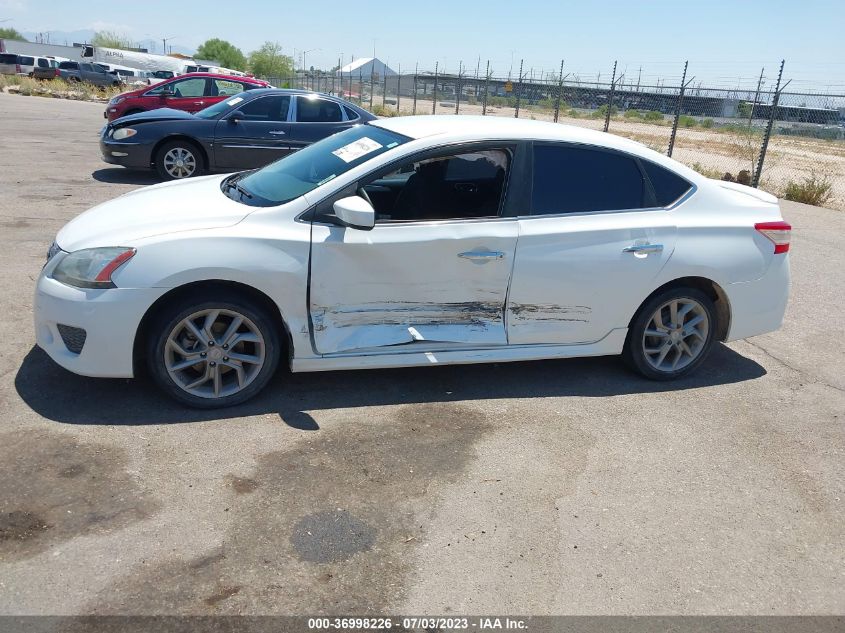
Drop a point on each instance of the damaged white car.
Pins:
(415, 241)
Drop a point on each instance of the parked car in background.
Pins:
(246, 131)
(46, 69)
(191, 93)
(89, 73)
(10, 64)
(415, 241)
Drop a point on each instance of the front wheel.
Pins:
(178, 159)
(213, 352)
(671, 334)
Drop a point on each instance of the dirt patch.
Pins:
(328, 526)
(56, 488)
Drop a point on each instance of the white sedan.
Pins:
(415, 241)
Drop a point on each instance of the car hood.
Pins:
(171, 207)
(161, 114)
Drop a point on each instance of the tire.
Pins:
(689, 338)
(168, 155)
(214, 380)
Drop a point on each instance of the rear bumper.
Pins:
(131, 155)
(758, 306)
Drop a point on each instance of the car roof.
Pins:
(220, 76)
(453, 127)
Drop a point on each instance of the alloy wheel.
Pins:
(180, 162)
(676, 334)
(214, 353)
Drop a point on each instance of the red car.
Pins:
(191, 92)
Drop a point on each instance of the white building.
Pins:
(365, 67)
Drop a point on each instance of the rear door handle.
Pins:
(643, 248)
(198, 102)
(482, 255)
(277, 132)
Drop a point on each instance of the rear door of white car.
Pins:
(597, 236)
(435, 268)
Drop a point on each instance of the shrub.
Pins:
(633, 114)
(708, 123)
(653, 115)
(707, 172)
(815, 190)
(687, 121)
(573, 113)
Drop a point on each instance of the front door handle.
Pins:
(482, 255)
(645, 249)
(277, 132)
(198, 102)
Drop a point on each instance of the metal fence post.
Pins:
(384, 92)
(458, 88)
(559, 90)
(610, 99)
(416, 70)
(372, 82)
(398, 86)
(434, 101)
(678, 111)
(486, 87)
(518, 91)
(360, 86)
(768, 133)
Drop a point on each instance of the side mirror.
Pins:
(234, 117)
(167, 92)
(355, 212)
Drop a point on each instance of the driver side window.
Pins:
(467, 185)
(194, 87)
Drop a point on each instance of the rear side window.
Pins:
(27, 61)
(43, 63)
(668, 186)
(226, 88)
(310, 110)
(571, 179)
(7, 58)
(69, 65)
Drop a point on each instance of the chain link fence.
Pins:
(791, 144)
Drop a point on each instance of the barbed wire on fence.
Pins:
(759, 133)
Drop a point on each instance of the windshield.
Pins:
(213, 111)
(317, 164)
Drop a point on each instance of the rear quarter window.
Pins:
(7, 58)
(668, 186)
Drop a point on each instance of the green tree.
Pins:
(9, 33)
(111, 39)
(268, 61)
(228, 55)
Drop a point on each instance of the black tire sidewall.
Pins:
(171, 315)
(188, 145)
(633, 353)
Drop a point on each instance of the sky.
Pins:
(725, 42)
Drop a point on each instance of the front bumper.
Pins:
(133, 155)
(110, 319)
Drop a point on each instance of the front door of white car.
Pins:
(434, 269)
(597, 237)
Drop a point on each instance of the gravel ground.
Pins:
(558, 487)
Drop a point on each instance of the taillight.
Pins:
(58, 74)
(778, 232)
(18, 69)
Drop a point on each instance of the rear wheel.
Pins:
(178, 159)
(671, 334)
(210, 353)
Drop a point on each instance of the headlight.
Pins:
(92, 267)
(122, 133)
(116, 100)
